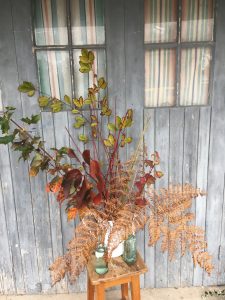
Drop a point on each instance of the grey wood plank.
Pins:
(175, 177)
(54, 209)
(162, 146)
(6, 264)
(221, 256)
(149, 141)
(19, 171)
(202, 175)
(134, 93)
(216, 154)
(189, 176)
(13, 235)
(114, 22)
(22, 33)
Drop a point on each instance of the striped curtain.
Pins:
(160, 77)
(54, 73)
(195, 75)
(197, 20)
(87, 22)
(160, 21)
(50, 22)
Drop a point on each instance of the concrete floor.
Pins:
(146, 294)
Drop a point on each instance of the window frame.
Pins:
(70, 47)
(178, 45)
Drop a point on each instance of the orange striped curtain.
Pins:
(87, 25)
(160, 21)
(160, 65)
(195, 75)
(160, 77)
(197, 20)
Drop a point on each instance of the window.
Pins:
(178, 52)
(61, 29)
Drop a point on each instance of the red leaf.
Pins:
(71, 177)
(141, 201)
(149, 163)
(140, 186)
(71, 153)
(97, 199)
(94, 168)
(156, 158)
(60, 196)
(84, 195)
(150, 179)
(86, 156)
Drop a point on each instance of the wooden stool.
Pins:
(119, 274)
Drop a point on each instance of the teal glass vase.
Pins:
(101, 266)
(130, 250)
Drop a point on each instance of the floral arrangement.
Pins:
(98, 191)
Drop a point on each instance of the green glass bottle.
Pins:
(101, 266)
(130, 250)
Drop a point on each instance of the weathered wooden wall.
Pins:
(191, 142)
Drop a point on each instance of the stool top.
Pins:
(117, 269)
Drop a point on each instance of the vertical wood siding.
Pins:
(191, 142)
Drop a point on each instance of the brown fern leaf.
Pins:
(170, 221)
(59, 269)
(129, 220)
(80, 248)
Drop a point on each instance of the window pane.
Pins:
(87, 22)
(84, 81)
(54, 73)
(160, 21)
(197, 20)
(50, 22)
(195, 76)
(160, 77)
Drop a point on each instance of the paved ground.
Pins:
(146, 294)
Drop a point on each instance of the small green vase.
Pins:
(130, 250)
(101, 266)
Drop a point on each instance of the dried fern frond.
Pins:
(170, 220)
(130, 219)
(87, 235)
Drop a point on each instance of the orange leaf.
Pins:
(158, 174)
(71, 213)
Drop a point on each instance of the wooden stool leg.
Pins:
(90, 290)
(100, 292)
(135, 288)
(124, 291)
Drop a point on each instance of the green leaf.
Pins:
(27, 87)
(7, 139)
(67, 99)
(10, 108)
(118, 122)
(87, 101)
(33, 120)
(80, 119)
(75, 111)
(91, 56)
(84, 59)
(128, 140)
(56, 106)
(111, 127)
(84, 69)
(102, 83)
(83, 138)
(43, 101)
(84, 52)
(31, 93)
(4, 123)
